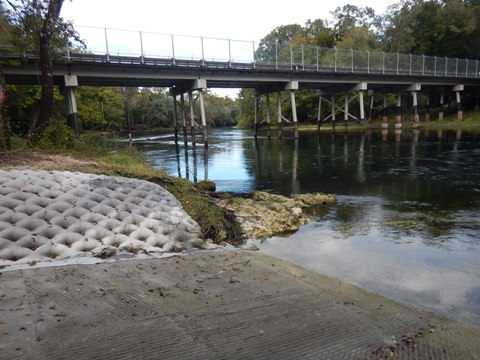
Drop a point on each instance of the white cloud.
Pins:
(245, 20)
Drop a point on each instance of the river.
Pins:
(406, 224)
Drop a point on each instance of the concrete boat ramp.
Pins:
(221, 304)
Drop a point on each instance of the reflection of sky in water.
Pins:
(225, 162)
(362, 246)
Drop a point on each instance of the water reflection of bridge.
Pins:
(189, 64)
(350, 153)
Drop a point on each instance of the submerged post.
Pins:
(370, 112)
(319, 114)
(294, 112)
(333, 112)
(459, 107)
(184, 119)
(362, 108)
(458, 89)
(255, 118)
(175, 118)
(416, 118)
(267, 113)
(440, 113)
(279, 114)
(192, 117)
(204, 119)
(345, 114)
(384, 113)
(398, 117)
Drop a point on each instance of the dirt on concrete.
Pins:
(212, 305)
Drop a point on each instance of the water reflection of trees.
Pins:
(422, 176)
(413, 166)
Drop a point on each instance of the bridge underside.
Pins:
(144, 75)
(188, 76)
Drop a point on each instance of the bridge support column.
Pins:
(370, 111)
(427, 113)
(440, 113)
(184, 119)
(71, 103)
(175, 118)
(345, 114)
(457, 90)
(294, 113)
(319, 114)
(192, 117)
(459, 107)
(416, 118)
(333, 113)
(255, 119)
(477, 103)
(204, 119)
(362, 109)
(267, 113)
(384, 113)
(279, 113)
(398, 117)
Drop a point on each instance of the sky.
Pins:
(241, 20)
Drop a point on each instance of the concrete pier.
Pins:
(71, 83)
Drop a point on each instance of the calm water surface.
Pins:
(406, 224)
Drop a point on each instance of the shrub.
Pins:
(57, 135)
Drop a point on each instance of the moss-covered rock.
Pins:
(206, 185)
(263, 215)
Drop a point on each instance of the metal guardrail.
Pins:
(137, 47)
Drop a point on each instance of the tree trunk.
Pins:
(4, 143)
(46, 65)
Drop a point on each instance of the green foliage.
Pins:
(56, 136)
(101, 108)
(440, 28)
(26, 18)
(220, 111)
(22, 106)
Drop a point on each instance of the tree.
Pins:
(46, 65)
(36, 28)
(101, 108)
(4, 39)
(358, 38)
(349, 16)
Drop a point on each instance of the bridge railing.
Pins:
(169, 49)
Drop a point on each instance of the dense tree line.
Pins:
(434, 27)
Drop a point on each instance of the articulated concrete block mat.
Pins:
(212, 305)
(58, 215)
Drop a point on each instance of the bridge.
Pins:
(189, 64)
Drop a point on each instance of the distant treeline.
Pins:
(448, 28)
